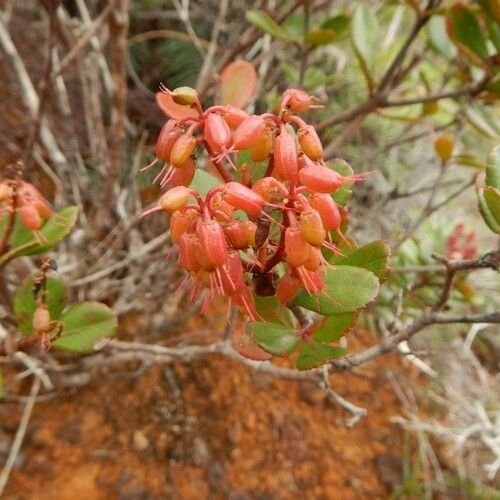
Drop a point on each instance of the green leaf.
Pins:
(277, 339)
(465, 31)
(493, 30)
(342, 195)
(373, 256)
(314, 353)
(347, 289)
(23, 242)
(493, 168)
(271, 310)
(334, 327)
(238, 83)
(320, 37)
(25, 305)
(438, 37)
(83, 325)
(365, 33)
(338, 23)
(489, 206)
(264, 22)
(203, 181)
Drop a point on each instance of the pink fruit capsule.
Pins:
(213, 241)
(169, 133)
(311, 227)
(312, 281)
(183, 175)
(310, 143)
(174, 199)
(270, 189)
(239, 196)
(182, 222)
(182, 149)
(233, 276)
(296, 247)
(325, 180)
(296, 100)
(240, 234)
(217, 133)
(263, 148)
(314, 260)
(328, 210)
(249, 132)
(30, 217)
(287, 288)
(188, 252)
(286, 159)
(233, 116)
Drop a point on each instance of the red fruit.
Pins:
(174, 198)
(270, 188)
(239, 196)
(325, 180)
(182, 222)
(239, 234)
(169, 133)
(182, 149)
(287, 288)
(286, 160)
(263, 148)
(250, 131)
(310, 143)
(217, 133)
(30, 217)
(234, 116)
(328, 210)
(183, 175)
(296, 247)
(188, 248)
(296, 100)
(213, 241)
(233, 276)
(311, 227)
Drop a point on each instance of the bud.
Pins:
(213, 241)
(188, 252)
(249, 132)
(239, 234)
(182, 149)
(325, 180)
(286, 159)
(184, 96)
(328, 210)
(174, 199)
(233, 116)
(239, 196)
(41, 319)
(310, 143)
(217, 133)
(182, 222)
(271, 189)
(287, 288)
(169, 133)
(311, 227)
(297, 101)
(183, 175)
(443, 146)
(296, 247)
(263, 148)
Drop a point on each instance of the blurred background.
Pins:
(77, 106)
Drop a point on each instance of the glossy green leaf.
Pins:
(264, 22)
(438, 37)
(320, 37)
(490, 208)
(333, 327)
(342, 195)
(25, 305)
(465, 31)
(338, 23)
(277, 339)
(493, 168)
(365, 33)
(203, 181)
(270, 309)
(238, 83)
(83, 325)
(314, 353)
(347, 289)
(23, 242)
(373, 256)
(493, 30)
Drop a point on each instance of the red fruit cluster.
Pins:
(24, 198)
(461, 244)
(232, 240)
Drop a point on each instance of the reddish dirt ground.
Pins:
(225, 432)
